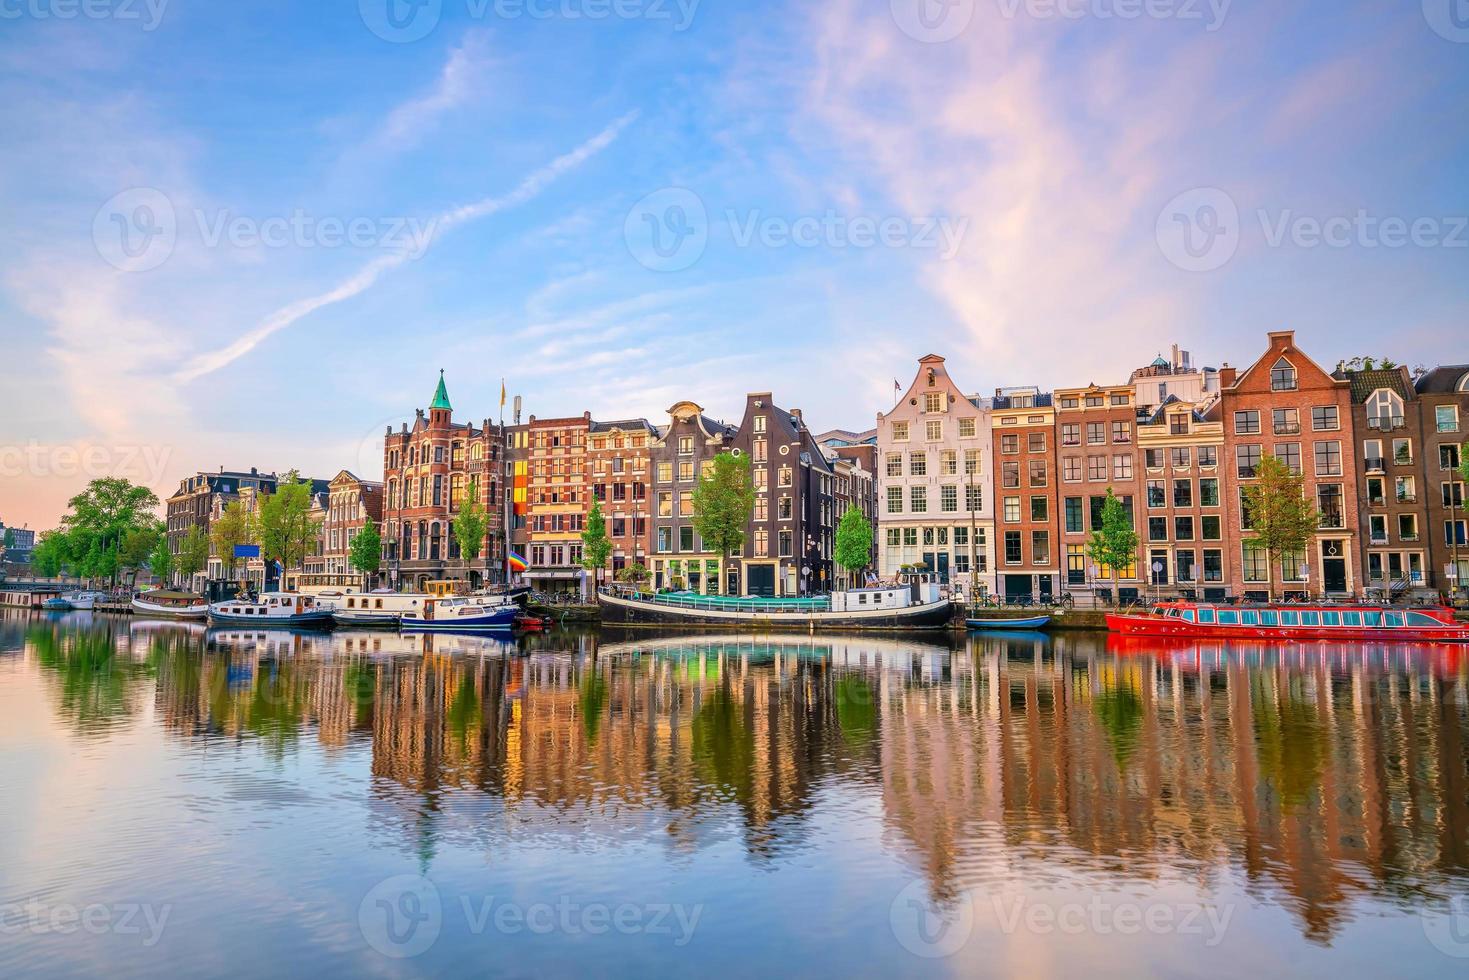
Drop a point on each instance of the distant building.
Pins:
(1173, 377)
(1096, 440)
(854, 484)
(839, 438)
(558, 499)
(1025, 517)
(682, 452)
(1181, 504)
(1443, 399)
(352, 503)
(22, 542)
(200, 500)
(618, 472)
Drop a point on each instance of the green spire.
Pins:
(441, 395)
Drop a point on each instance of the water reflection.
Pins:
(1322, 776)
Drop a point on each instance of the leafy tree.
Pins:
(160, 563)
(596, 548)
(236, 526)
(50, 554)
(366, 550)
(193, 553)
(287, 529)
(1283, 516)
(634, 574)
(1113, 546)
(100, 516)
(139, 544)
(470, 524)
(854, 541)
(9, 538)
(724, 499)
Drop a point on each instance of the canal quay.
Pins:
(181, 799)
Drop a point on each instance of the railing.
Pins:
(1375, 464)
(1287, 428)
(1378, 501)
(724, 604)
(1386, 423)
(1407, 498)
(1331, 521)
(1246, 472)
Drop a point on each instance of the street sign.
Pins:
(247, 551)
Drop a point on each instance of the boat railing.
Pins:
(725, 603)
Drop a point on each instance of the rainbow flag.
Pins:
(517, 563)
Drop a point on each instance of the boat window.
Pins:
(351, 603)
(1372, 618)
(1352, 619)
(379, 603)
(1206, 615)
(1310, 619)
(1422, 619)
(1188, 614)
(1268, 617)
(1250, 618)
(1331, 619)
(1290, 618)
(1228, 617)
(1393, 618)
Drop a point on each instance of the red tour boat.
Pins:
(1292, 622)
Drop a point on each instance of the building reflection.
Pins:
(1311, 775)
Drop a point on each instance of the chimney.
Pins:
(1226, 376)
(796, 414)
(1176, 362)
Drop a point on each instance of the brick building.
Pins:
(618, 472)
(352, 502)
(1096, 445)
(1025, 482)
(1443, 400)
(1181, 500)
(854, 484)
(558, 499)
(1285, 405)
(935, 510)
(198, 502)
(683, 450)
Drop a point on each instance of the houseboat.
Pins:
(171, 604)
(912, 606)
(272, 609)
(1292, 622)
(477, 612)
(374, 608)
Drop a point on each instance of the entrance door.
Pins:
(1017, 586)
(1158, 567)
(761, 579)
(943, 568)
(1333, 567)
(1045, 588)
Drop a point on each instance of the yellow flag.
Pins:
(502, 392)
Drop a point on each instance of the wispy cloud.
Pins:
(410, 121)
(368, 275)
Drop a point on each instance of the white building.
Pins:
(1175, 376)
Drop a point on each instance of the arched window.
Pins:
(1464, 383)
(1384, 409)
(433, 541)
(1283, 376)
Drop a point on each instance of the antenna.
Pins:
(517, 409)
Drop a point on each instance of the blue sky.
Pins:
(1029, 174)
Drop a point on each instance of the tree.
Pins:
(1113, 545)
(193, 554)
(854, 541)
(236, 526)
(160, 563)
(1282, 516)
(139, 544)
(634, 574)
(9, 539)
(287, 529)
(724, 499)
(100, 516)
(50, 555)
(470, 524)
(596, 547)
(365, 553)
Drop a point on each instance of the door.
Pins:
(943, 569)
(1158, 567)
(1017, 586)
(1333, 567)
(761, 579)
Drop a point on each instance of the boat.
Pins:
(912, 606)
(1293, 622)
(75, 600)
(533, 624)
(462, 613)
(374, 608)
(271, 610)
(171, 604)
(1028, 623)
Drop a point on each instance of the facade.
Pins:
(1025, 482)
(681, 453)
(1443, 400)
(618, 471)
(1181, 500)
(1285, 405)
(427, 472)
(558, 500)
(934, 474)
(1096, 446)
(22, 544)
(854, 484)
(1175, 376)
(352, 502)
(788, 541)
(200, 500)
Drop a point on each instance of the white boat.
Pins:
(475, 612)
(271, 609)
(171, 604)
(374, 608)
(75, 600)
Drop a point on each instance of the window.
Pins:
(1096, 433)
(918, 499)
(934, 430)
(973, 497)
(1446, 418)
(1324, 418)
(1183, 528)
(1009, 443)
(1096, 467)
(1010, 474)
(1328, 459)
(1406, 490)
(1213, 565)
(1012, 510)
(1285, 421)
(900, 429)
(949, 499)
(1282, 376)
(933, 401)
(1012, 548)
(1246, 422)
(1184, 563)
(1122, 466)
(1402, 451)
(785, 509)
(1247, 458)
(1121, 432)
(1452, 494)
(966, 428)
(971, 461)
(762, 542)
(1329, 503)
(918, 464)
(1208, 456)
(762, 507)
(1153, 459)
(1040, 508)
(1157, 495)
(1289, 453)
(1448, 456)
(1384, 410)
(1071, 469)
(1157, 529)
(1209, 492)
(1040, 547)
(1407, 527)
(1180, 457)
(1073, 515)
(1070, 434)
(1178, 423)
(1038, 473)
(686, 539)
(1183, 493)
(1256, 564)
(948, 463)
(1037, 442)
(1075, 564)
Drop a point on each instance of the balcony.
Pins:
(1287, 428)
(1386, 423)
(1378, 537)
(1375, 464)
(1331, 521)
(1377, 501)
(1407, 498)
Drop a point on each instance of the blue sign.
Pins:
(247, 551)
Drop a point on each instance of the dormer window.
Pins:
(1283, 376)
(1384, 410)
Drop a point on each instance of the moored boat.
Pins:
(171, 604)
(1028, 623)
(1293, 622)
(75, 600)
(463, 613)
(906, 607)
(374, 608)
(272, 609)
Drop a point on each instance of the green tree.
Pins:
(100, 516)
(9, 538)
(139, 544)
(236, 526)
(854, 541)
(596, 548)
(724, 499)
(160, 563)
(1113, 546)
(193, 554)
(50, 555)
(1282, 517)
(287, 528)
(366, 550)
(470, 524)
(635, 574)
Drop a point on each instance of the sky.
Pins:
(252, 234)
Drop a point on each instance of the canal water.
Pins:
(175, 800)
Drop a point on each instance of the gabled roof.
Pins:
(1364, 383)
